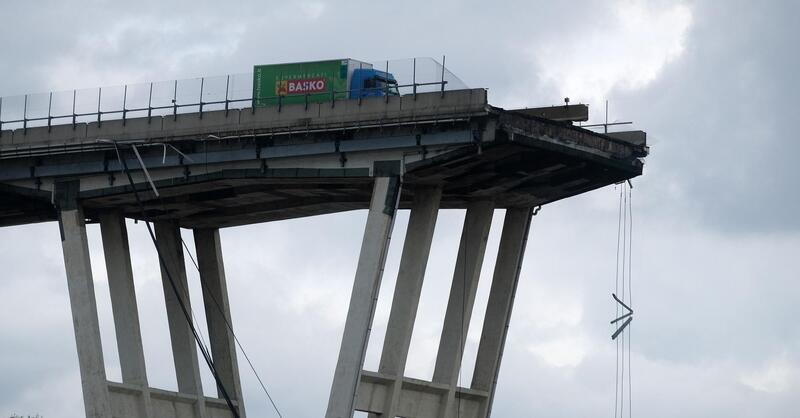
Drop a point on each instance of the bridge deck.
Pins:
(245, 166)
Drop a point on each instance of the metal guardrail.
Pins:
(230, 100)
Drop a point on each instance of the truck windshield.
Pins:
(374, 83)
(384, 85)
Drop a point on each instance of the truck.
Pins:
(319, 81)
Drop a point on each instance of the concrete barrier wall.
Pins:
(418, 398)
(340, 114)
(127, 401)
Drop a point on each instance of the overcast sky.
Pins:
(716, 225)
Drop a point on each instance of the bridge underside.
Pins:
(512, 175)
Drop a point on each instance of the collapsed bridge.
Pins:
(215, 169)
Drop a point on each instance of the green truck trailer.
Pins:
(319, 81)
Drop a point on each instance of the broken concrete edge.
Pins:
(628, 138)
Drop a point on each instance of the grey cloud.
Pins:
(721, 121)
(715, 271)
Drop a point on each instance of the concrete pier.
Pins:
(123, 304)
(469, 261)
(84, 311)
(507, 268)
(218, 313)
(413, 261)
(374, 246)
(388, 393)
(184, 349)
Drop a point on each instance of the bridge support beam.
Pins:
(413, 261)
(132, 398)
(471, 251)
(123, 303)
(372, 258)
(388, 394)
(75, 244)
(218, 314)
(184, 349)
(513, 241)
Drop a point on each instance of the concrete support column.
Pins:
(123, 298)
(84, 311)
(501, 301)
(414, 260)
(218, 314)
(123, 303)
(374, 246)
(184, 350)
(462, 297)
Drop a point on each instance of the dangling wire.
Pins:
(216, 303)
(230, 328)
(630, 294)
(176, 291)
(623, 277)
(196, 331)
(616, 315)
(624, 256)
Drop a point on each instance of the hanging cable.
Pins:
(616, 290)
(624, 255)
(624, 275)
(181, 303)
(205, 286)
(630, 292)
(230, 328)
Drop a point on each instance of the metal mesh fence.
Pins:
(162, 98)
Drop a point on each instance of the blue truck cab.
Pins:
(369, 82)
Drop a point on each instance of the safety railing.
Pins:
(198, 95)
